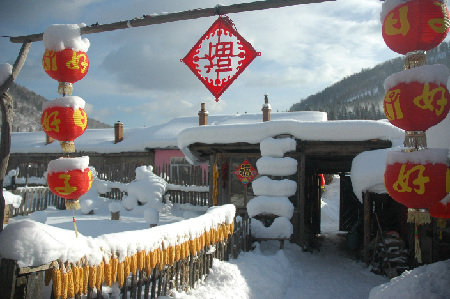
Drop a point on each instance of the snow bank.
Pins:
(276, 188)
(280, 228)
(436, 73)
(276, 166)
(32, 243)
(73, 102)
(277, 147)
(151, 216)
(430, 281)
(5, 72)
(58, 37)
(279, 206)
(429, 155)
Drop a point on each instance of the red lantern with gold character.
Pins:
(66, 67)
(440, 210)
(64, 119)
(417, 179)
(69, 178)
(414, 25)
(417, 99)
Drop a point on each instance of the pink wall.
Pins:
(162, 157)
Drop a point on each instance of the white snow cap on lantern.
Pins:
(67, 101)
(428, 155)
(436, 73)
(58, 37)
(68, 164)
(389, 5)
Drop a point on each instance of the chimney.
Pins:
(203, 116)
(266, 108)
(118, 132)
(48, 139)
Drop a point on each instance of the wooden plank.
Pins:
(8, 273)
(301, 201)
(367, 228)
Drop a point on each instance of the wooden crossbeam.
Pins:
(177, 16)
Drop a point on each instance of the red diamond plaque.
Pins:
(220, 56)
(245, 172)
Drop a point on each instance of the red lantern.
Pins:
(415, 25)
(64, 119)
(418, 179)
(69, 178)
(418, 98)
(440, 210)
(66, 67)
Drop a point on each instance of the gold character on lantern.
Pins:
(90, 179)
(74, 63)
(425, 100)
(392, 103)
(402, 183)
(49, 61)
(67, 189)
(440, 25)
(79, 118)
(51, 121)
(402, 20)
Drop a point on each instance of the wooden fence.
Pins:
(182, 275)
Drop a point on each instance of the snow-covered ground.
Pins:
(267, 271)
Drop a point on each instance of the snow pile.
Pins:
(5, 72)
(272, 195)
(12, 199)
(32, 243)
(73, 102)
(114, 207)
(87, 206)
(430, 281)
(280, 228)
(151, 216)
(187, 188)
(58, 37)
(276, 166)
(39, 216)
(277, 188)
(436, 73)
(279, 206)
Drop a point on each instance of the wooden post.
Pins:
(367, 232)
(301, 203)
(8, 275)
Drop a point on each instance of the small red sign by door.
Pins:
(246, 172)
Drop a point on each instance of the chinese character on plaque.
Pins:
(220, 56)
(245, 172)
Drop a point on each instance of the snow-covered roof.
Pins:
(154, 137)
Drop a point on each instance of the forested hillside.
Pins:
(361, 95)
(28, 110)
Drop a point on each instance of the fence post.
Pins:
(8, 274)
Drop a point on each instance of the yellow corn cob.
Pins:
(186, 248)
(80, 280)
(85, 279)
(161, 259)
(64, 285)
(231, 228)
(127, 267)
(99, 280)
(70, 285)
(207, 238)
(153, 258)
(147, 267)
(115, 262)
(134, 263)
(140, 260)
(120, 273)
(177, 252)
(199, 243)
(171, 255)
(166, 256)
(76, 281)
(108, 273)
(92, 276)
(212, 234)
(56, 277)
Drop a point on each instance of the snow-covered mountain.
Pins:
(28, 110)
(361, 95)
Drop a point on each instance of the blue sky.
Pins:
(136, 76)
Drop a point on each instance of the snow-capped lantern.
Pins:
(417, 179)
(414, 25)
(417, 98)
(69, 178)
(441, 211)
(64, 119)
(220, 56)
(65, 58)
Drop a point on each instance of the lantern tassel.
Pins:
(415, 139)
(418, 218)
(75, 226)
(415, 59)
(442, 224)
(65, 88)
(68, 146)
(72, 204)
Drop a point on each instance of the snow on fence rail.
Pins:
(159, 259)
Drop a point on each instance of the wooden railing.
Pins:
(181, 275)
(35, 199)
